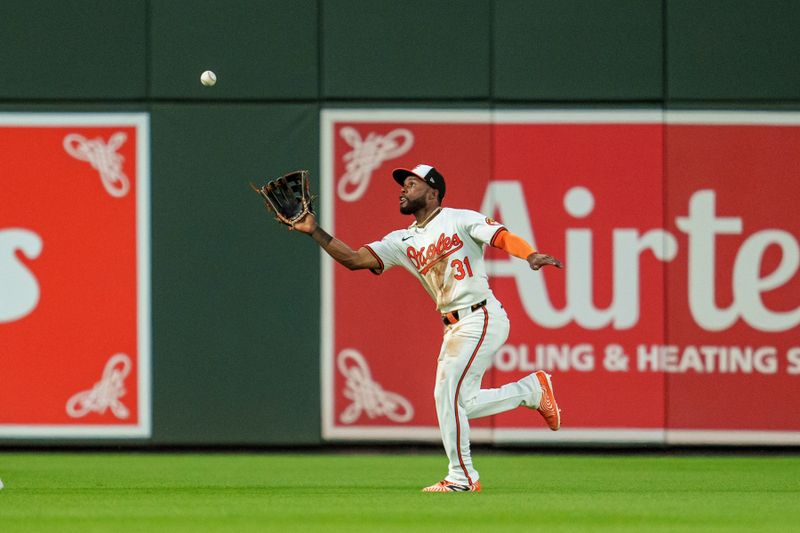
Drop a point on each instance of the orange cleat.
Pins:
(548, 407)
(449, 486)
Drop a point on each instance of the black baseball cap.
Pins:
(426, 173)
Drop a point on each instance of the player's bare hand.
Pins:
(537, 261)
(307, 224)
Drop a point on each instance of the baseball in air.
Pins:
(208, 78)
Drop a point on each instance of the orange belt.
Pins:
(452, 317)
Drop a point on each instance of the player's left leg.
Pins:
(534, 392)
(487, 402)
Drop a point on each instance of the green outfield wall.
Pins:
(236, 299)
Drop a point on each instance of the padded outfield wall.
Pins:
(173, 295)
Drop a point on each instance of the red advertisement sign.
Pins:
(680, 289)
(74, 275)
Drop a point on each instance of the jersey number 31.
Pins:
(458, 268)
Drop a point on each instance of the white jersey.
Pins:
(446, 256)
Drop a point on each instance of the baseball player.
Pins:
(443, 249)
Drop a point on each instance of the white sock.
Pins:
(536, 392)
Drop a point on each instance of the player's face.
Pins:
(412, 195)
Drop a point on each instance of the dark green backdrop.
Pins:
(230, 365)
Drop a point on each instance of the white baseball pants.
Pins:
(467, 350)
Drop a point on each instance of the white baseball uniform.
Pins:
(446, 256)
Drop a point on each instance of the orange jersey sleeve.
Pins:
(513, 244)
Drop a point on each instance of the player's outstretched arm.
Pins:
(338, 250)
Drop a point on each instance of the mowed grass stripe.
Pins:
(380, 492)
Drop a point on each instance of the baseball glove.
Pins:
(288, 197)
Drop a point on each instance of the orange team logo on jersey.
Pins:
(426, 257)
(492, 222)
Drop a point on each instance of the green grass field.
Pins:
(380, 492)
